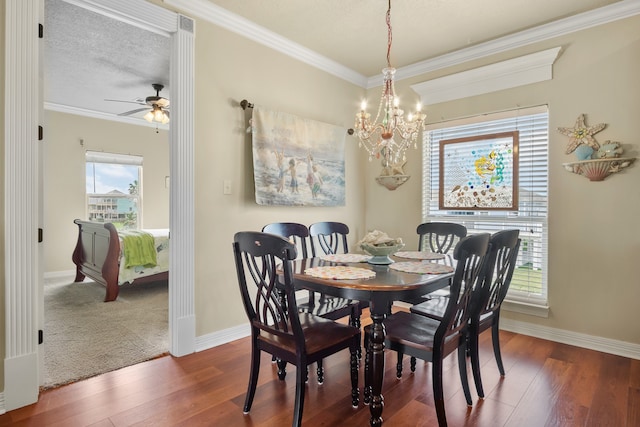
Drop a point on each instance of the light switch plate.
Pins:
(226, 186)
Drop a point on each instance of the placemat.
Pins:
(419, 255)
(340, 272)
(345, 257)
(421, 267)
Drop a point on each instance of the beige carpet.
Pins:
(85, 336)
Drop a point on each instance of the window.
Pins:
(529, 283)
(114, 188)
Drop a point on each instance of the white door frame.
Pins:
(23, 103)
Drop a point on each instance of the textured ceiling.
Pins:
(90, 57)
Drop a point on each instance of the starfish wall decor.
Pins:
(582, 134)
(594, 162)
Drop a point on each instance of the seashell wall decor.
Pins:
(594, 161)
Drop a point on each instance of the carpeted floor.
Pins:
(85, 336)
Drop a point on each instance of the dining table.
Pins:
(351, 276)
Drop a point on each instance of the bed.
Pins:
(100, 255)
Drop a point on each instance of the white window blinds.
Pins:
(529, 283)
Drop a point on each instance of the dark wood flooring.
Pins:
(547, 384)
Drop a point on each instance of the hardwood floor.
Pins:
(546, 384)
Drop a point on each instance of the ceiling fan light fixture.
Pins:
(149, 116)
(158, 114)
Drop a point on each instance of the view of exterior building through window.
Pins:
(113, 188)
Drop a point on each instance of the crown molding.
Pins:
(223, 18)
(524, 70)
(582, 21)
(139, 13)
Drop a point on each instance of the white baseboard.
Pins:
(215, 339)
(605, 345)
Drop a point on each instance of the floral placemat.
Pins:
(345, 257)
(340, 272)
(419, 255)
(421, 267)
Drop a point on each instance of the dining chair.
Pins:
(433, 340)
(332, 308)
(486, 301)
(263, 263)
(329, 238)
(441, 238)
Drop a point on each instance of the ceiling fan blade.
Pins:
(128, 113)
(128, 102)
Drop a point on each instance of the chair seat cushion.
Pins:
(319, 334)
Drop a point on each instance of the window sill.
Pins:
(526, 308)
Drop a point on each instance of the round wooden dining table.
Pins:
(386, 286)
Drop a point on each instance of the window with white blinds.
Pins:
(529, 283)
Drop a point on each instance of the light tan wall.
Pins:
(64, 176)
(594, 228)
(229, 68)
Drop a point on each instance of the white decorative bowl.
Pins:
(380, 254)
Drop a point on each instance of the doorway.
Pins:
(23, 115)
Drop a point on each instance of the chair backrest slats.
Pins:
(263, 264)
(470, 254)
(328, 238)
(297, 233)
(440, 237)
(501, 263)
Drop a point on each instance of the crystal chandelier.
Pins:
(389, 135)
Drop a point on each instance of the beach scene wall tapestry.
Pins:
(297, 161)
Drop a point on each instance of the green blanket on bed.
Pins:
(138, 248)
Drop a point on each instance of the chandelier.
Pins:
(389, 135)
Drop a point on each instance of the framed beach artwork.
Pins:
(297, 161)
(479, 172)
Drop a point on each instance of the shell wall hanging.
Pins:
(594, 161)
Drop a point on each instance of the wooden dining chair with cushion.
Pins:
(331, 238)
(316, 304)
(263, 263)
(433, 340)
(487, 299)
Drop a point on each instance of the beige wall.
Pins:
(64, 176)
(594, 227)
(229, 68)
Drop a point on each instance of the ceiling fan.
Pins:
(157, 107)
